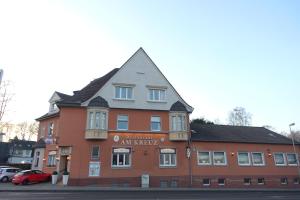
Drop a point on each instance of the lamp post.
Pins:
(293, 141)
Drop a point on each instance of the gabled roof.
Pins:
(87, 92)
(48, 115)
(239, 134)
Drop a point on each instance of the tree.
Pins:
(296, 135)
(26, 130)
(239, 117)
(5, 97)
(201, 121)
(33, 129)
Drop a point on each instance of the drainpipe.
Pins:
(189, 157)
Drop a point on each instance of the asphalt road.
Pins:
(207, 195)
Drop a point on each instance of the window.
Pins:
(257, 159)
(50, 129)
(243, 158)
(122, 122)
(291, 159)
(284, 181)
(204, 158)
(167, 158)
(178, 122)
(247, 181)
(124, 93)
(296, 181)
(219, 158)
(95, 153)
(53, 107)
(97, 120)
(260, 181)
(51, 158)
(155, 124)
(206, 181)
(94, 168)
(121, 157)
(157, 94)
(279, 159)
(221, 181)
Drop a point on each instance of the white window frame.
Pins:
(284, 159)
(241, 164)
(262, 156)
(249, 183)
(121, 152)
(121, 129)
(263, 181)
(287, 160)
(161, 98)
(177, 125)
(126, 87)
(152, 121)
(167, 153)
(209, 156)
(284, 183)
(221, 183)
(206, 184)
(103, 120)
(219, 164)
(51, 162)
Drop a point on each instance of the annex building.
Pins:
(130, 128)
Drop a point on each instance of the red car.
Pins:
(30, 176)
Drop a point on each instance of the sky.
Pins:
(217, 54)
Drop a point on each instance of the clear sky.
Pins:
(217, 54)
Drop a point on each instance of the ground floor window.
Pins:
(284, 181)
(260, 181)
(94, 169)
(247, 181)
(121, 157)
(221, 181)
(51, 159)
(206, 182)
(167, 158)
(296, 181)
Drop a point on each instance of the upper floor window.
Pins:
(279, 159)
(204, 158)
(157, 94)
(258, 158)
(123, 92)
(167, 158)
(53, 107)
(219, 158)
(50, 128)
(155, 123)
(97, 119)
(122, 123)
(178, 122)
(244, 158)
(95, 153)
(291, 159)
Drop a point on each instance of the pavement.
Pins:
(48, 187)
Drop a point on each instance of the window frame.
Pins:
(224, 181)
(126, 87)
(286, 182)
(284, 159)
(287, 160)
(240, 164)
(209, 156)
(120, 129)
(159, 90)
(225, 158)
(261, 183)
(151, 128)
(170, 154)
(262, 156)
(206, 184)
(91, 123)
(124, 157)
(98, 155)
(177, 127)
(247, 182)
(51, 162)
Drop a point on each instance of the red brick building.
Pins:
(130, 127)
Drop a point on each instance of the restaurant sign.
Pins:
(138, 140)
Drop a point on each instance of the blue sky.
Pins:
(217, 54)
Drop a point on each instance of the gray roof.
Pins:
(87, 92)
(99, 102)
(239, 134)
(178, 106)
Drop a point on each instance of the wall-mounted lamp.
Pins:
(269, 154)
(44, 159)
(57, 158)
(68, 157)
(232, 153)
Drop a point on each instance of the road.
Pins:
(200, 195)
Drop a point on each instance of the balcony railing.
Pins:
(178, 136)
(95, 134)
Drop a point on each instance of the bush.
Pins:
(54, 173)
(66, 172)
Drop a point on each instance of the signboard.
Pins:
(138, 140)
(94, 169)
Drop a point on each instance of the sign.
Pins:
(94, 169)
(140, 140)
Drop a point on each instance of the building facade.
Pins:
(130, 127)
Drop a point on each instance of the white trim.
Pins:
(241, 164)
(284, 159)
(120, 129)
(287, 160)
(209, 156)
(225, 158)
(262, 156)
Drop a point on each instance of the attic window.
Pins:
(53, 107)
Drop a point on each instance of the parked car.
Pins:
(6, 174)
(30, 176)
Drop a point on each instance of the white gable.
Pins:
(141, 73)
(54, 98)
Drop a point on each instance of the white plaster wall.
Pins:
(141, 72)
(40, 164)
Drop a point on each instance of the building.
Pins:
(130, 127)
(20, 151)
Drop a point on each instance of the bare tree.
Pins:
(5, 97)
(295, 134)
(22, 130)
(33, 129)
(239, 117)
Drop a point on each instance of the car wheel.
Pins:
(25, 182)
(5, 179)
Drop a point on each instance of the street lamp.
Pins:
(293, 141)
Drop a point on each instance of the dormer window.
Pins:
(53, 107)
(124, 92)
